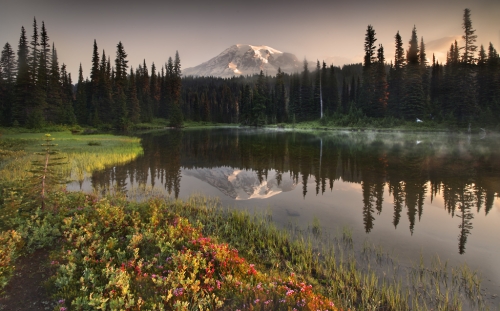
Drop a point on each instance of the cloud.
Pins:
(441, 44)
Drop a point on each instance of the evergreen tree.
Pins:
(81, 109)
(482, 79)
(469, 38)
(120, 83)
(466, 106)
(450, 92)
(95, 71)
(205, 106)
(317, 93)
(121, 66)
(414, 102)
(246, 105)
(144, 93)
(353, 91)
(259, 99)
(381, 94)
(34, 55)
(306, 95)
(134, 108)
(396, 79)
(93, 92)
(368, 87)
(330, 90)
(20, 109)
(164, 94)
(196, 107)
(155, 91)
(7, 78)
(280, 97)
(436, 88)
(493, 85)
(35, 95)
(68, 115)
(294, 110)
(104, 95)
(54, 112)
(345, 97)
(45, 59)
(424, 71)
(176, 117)
(8, 64)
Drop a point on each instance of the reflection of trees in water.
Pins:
(465, 181)
(466, 198)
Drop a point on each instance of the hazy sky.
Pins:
(327, 30)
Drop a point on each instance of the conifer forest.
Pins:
(35, 89)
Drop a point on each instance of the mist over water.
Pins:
(412, 194)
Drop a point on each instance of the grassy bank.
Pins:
(84, 153)
(383, 125)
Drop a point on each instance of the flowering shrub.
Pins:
(9, 244)
(127, 256)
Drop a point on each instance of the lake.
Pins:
(413, 194)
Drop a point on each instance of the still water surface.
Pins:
(413, 194)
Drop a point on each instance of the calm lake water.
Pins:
(412, 194)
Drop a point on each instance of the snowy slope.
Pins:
(244, 59)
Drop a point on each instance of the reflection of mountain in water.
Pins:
(242, 184)
(246, 164)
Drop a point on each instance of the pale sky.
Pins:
(327, 30)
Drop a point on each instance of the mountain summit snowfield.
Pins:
(244, 59)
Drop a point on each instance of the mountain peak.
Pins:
(246, 59)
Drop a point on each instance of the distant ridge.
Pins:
(244, 59)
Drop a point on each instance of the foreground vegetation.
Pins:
(111, 253)
(115, 254)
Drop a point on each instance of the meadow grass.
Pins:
(85, 154)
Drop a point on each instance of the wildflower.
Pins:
(61, 301)
(178, 291)
(252, 270)
(256, 300)
(63, 309)
(290, 292)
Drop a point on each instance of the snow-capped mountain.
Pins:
(241, 184)
(244, 59)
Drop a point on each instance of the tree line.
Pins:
(35, 90)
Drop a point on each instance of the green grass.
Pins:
(85, 153)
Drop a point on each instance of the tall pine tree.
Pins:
(414, 101)
(396, 79)
(368, 87)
